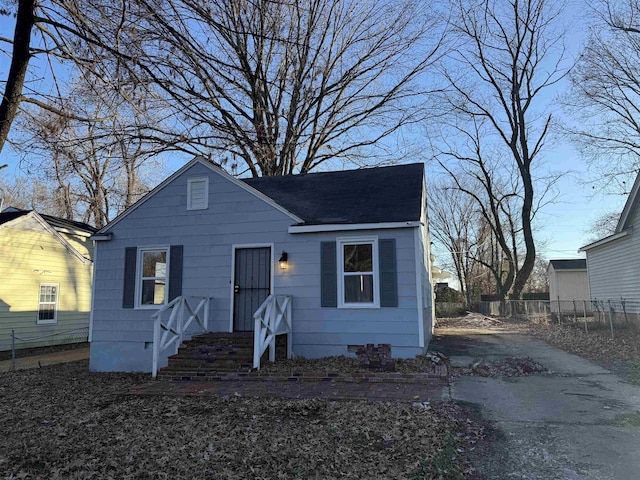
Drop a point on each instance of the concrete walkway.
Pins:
(45, 359)
(561, 425)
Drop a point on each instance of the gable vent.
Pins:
(198, 193)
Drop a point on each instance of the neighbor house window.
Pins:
(152, 276)
(198, 193)
(357, 269)
(48, 303)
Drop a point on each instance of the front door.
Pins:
(252, 285)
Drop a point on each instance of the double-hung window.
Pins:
(152, 276)
(47, 303)
(358, 273)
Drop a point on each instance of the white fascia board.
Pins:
(101, 238)
(179, 172)
(604, 241)
(353, 226)
(70, 248)
(79, 233)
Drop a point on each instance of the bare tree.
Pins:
(453, 222)
(603, 226)
(605, 95)
(283, 86)
(509, 56)
(93, 166)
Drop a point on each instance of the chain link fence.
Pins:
(28, 352)
(594, 314)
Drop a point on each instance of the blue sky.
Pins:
(562, 225)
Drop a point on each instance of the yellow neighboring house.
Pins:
(45, 279)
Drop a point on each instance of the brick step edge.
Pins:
(253, 377)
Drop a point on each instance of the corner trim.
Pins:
(419, 264)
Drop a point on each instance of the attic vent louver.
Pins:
(198, 193)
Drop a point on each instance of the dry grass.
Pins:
(63, 422)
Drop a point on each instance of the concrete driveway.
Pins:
(574, 423)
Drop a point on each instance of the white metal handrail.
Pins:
(271, 319)
(172, 331)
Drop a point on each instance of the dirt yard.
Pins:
(64, 422)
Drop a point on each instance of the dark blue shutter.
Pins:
(175, 272)
(129, 285)
(388, 273)
(329, 279)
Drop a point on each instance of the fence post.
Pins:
(575, 312)
(559, 311)
(584, 307)
(13, 350)
(624, 310)
(610, 319)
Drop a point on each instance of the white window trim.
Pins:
(55, 311)
(192, 180)
(341, 242)
(138, 299)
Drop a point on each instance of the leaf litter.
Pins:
(65, 422)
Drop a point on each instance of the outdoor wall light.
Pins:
(284, 260)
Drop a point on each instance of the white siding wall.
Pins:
(614, 271)
(122, 337)
(568, 285)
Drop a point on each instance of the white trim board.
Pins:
(419, 300)
(338, 227)
(215, 169)
(629, 206)
(605, 240)
(340, 243)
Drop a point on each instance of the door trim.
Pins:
(237, 246)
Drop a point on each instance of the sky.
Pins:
(562, 226)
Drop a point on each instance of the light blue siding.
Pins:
(237, 217)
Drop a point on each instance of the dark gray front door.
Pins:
(252, 285)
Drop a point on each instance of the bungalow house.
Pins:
(46, 268)
(613, 262)
(333, 259)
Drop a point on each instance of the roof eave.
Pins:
(605, 240)
(340, 227)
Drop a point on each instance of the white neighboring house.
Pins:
(568, 279)
(613, 262)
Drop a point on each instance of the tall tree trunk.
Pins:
(18, 69)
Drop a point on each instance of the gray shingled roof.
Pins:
(55, 222)
(572, 264)
(371, 195)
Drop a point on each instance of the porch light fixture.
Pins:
(284, 260)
